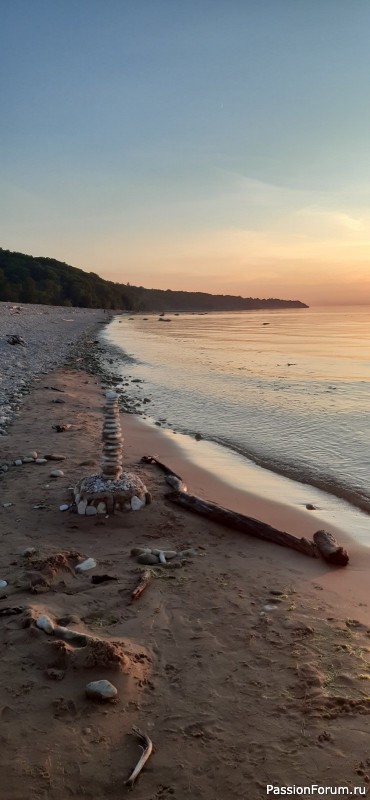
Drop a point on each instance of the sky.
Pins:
(210, 145)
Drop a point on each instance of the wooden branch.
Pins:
(330, 549)
(147, 747)
(142, 585)
(166, 470)
(242, 523)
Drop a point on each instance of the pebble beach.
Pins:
(246, 667)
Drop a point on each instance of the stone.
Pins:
(189, 553)
(101, 690)
(33, 455)
(139, 551)
(91, 511)
(89, 563)
(45, 624)
(5, 468)
(81, 507)
(41, 461)
(27, 551)
(64, 507)
(7, 505)
(3, 584)
(55, 674)
(55, 457)
(101, 508)
(28, 460)
(137, 503)
(310, 507)
(18, 462)
(57, 473)
(148, 558)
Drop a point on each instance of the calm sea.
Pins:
(289, 390)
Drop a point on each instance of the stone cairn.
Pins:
(113, 490)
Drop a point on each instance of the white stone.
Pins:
(41, 461)
(89, 563)
(45, 624)
(7, 505)
(3, 584)
(64, 507)
(57, 473)
(111, 395)
(18, 462)
(101, 690)
(27, 551)
(101, 508)
(32, 455)
(136, 503)
(81, 507)
(28, 460)
(91, 511)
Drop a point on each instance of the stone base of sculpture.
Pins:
(96, 495)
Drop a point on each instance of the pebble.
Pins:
(54, 457)
(91, 511)
(101, 508)
(57, 473)
(32, 455)
(81, 507)
(18, 462)
(190, 553)
(148, 558)
(101, 690)
(7, 505)
(139, 551)
(5, 468)
(28, 460)
(45, 624)
(310, 507)
(27, 551)
(136, 503)
(89, 563)
(41, 461)
(3, 584)
(64, 507)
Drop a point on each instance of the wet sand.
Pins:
(237, 686)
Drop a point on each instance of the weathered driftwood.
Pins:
(166, 470)
(329, 548)
(242, 523)
(147, 748)
(142, 585)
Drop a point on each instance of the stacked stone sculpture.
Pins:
(113, 490)
(112, 438)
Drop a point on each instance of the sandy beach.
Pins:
(238, 686)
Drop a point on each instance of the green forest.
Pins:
(25, 279)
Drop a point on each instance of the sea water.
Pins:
(287, 390)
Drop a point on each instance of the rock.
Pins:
(101, 508)
(41, 461)
(18, 462)
(68, 635)
(55, 674)
(45, 624)
(137, 503)
(89, 563)
(3, 584)
(91, 511)
(28, 460)
(101, 690)
(148, 558)
(81, 507)
(58, 400)
(7, 505)
(33, 455)
(190, 553)
(57, 473)
(198, 437)
(64, 507)
(310, 507)
(27, 551)
(139, 551)
(4, 468)
(54, 457)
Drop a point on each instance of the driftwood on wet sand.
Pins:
(329, 548)
(147, 748)
(142, 585)
(242, 523)
(324, 543)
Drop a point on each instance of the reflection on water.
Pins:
(289, 388)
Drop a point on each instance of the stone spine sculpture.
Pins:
(112, 439)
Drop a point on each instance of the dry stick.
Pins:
(142, 585)
(330, 549)
(242, 523)
(147, 746)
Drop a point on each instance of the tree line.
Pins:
(25, 279)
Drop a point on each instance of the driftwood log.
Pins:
(142, 585)
(329, 548)
(239, 522)
(324, 543)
